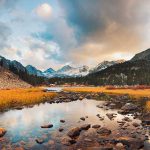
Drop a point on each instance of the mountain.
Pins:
(133, 72)
(17, 68)
(73, 71)
(145, 55)
(33, 71)
(65, 69)
(105, 64)
(10, 80)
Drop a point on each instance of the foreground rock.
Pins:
(96, 126)
(104, 131)
(47, 126)
(2, 132)
(127, 108)
(74, 132)
(67, 141)
(39, 141)
(85, 127)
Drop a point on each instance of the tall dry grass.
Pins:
(21, 97)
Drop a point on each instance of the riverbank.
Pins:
(133, 92)
(17, 98)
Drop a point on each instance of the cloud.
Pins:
(7, 4)
(5, 33)
(113, 26)
(44, 11)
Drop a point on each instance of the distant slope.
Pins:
(10, 80)
(145, 55)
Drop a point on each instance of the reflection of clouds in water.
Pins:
(27, 122)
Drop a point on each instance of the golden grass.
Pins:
(21, 97)
(133, 93)
(136, 93)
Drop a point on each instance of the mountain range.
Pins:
(65, 71)
(134, 71)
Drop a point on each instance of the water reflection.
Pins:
(24, 125)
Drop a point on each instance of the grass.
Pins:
(22, 97)
(133, 92)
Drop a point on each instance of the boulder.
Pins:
(67, 141)
(104, 131)
(129, 107)
(74, 132)
(85, 127)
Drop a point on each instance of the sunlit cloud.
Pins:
(44, 11)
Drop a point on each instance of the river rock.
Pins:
(62, 121)
(119, 146)
(2, 132)
(96, 126)
(74, 132)
(129, 107)
(82, 118)
(47, 126)
(110, 115)
(104, 131)
(67, 141)
(39, 141)
(135, 124)
(85, 127)
(61, 129)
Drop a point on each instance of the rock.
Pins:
(51, 142)
(47, 126)
(62, 121)
(2, 132)
(67, 141)
(82, 118)
(39, 141)
(61, 129)
(104, 131)
(131, 143)
(88, 96)
(110, 115)
(81, 98)
(74, 132)
(136, 124)
(87, 140)
(85, 127)
(119, 146)
(96, 126)
(128, 108)
(127, 119)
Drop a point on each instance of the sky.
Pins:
(54, 33)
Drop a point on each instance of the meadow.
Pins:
(13, 98)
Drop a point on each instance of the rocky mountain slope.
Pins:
(10, 80)
(145, 55)
(105, 64)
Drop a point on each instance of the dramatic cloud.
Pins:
(77, 32)
(112, 26)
